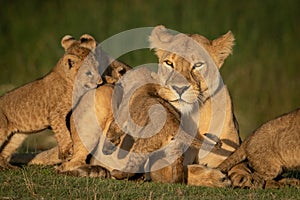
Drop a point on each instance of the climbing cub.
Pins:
(46, 102)
(268, 152)
(159, 137)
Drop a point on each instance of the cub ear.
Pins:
(222, 47)
(196, 169)
(159, 38)
(88, 42)
(67, 41)
(69, 61)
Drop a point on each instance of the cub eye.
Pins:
(223, 179)
(88, 73)
(169, 63)
(198, 65)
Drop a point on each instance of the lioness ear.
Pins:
(159, 38)
(67, 41)
(222, 47)
(88, 42)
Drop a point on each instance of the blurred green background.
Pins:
(262, 74)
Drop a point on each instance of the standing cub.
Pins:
(271, 149)
(46, 102)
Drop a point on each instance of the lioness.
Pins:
(269, 151)
(190, 81)
(46, 102)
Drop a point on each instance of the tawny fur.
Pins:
(191, 56)
(139, 106)
(240, 176)
(111, 70)
(103, 100)
(140, 103)
(204, 176)
(270, 150)
(218, 50)
(46, 102)
(166, 145)
(86, 132)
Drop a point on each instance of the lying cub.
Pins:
(269, 151)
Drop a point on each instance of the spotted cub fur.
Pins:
(46, 102)
(271, 150)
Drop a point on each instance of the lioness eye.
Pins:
(198, 65)
(169, 63)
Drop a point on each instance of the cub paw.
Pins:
(4, 165)
(65, 153)
(86, 171)
(69, 166)
(119, 175)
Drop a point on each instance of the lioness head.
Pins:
(186, 64)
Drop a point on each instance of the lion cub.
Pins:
(158, 137)
(46, 102)
(271, 149)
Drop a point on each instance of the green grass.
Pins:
(43, 183)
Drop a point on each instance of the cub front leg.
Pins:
(80, 149)
(4, 136)
(4, 132)
(4, 163)
(14, 143)
(63, 136)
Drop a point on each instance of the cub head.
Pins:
(79, 64)
(204, 176)
(188, 65)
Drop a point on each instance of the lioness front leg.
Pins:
(63, 137)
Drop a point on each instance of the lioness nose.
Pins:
(180, 90)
